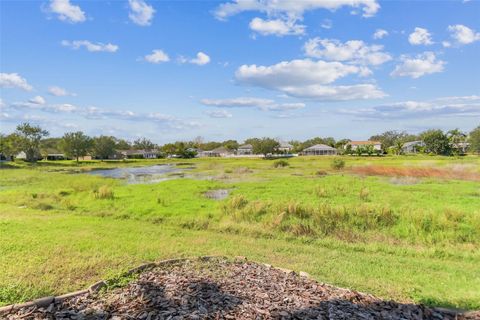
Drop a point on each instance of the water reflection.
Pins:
(149, 174)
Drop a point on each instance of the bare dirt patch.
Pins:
(459, 173)
(219, 289)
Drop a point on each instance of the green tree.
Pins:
(390, 138)
(76, 144)
(143, 144)
(29, 140)
(436, 142)
(230, 144)
(369, 149)
(104, 147)
(121, 144)
(398, 147)
(9, 145)
(456, 138)
(474, 140)
(264, 146)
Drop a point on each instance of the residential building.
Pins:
(319, 150)
(246, 149)
(413, 146)
(377, 146)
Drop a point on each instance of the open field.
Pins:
(406, 228)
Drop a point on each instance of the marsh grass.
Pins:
(104, 192)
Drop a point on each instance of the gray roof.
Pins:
(246, 146)
(319, 147)
(413, 143)
(285, 145)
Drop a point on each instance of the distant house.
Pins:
(217, 152)
(462, 147)
(56, 156)
(356, 144)
(319, 150)
(139, 154)
(285, 147)
(246, 149)
(21, 155)
(413, 146)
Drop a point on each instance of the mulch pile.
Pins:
(219, 289)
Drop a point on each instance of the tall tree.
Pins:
(121, 144)
(9, 145)
(29, 140)
(104, 147)
(436, 142)
(76, 144)
(390, 138)
(264, 146)
(474, 140)
(456, 138)
(143, 144)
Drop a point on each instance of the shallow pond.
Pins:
(148, 174)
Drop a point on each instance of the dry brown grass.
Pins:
(418, 172)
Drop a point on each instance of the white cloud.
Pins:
(355, 51)
(326, 24)
(65, 107)
(59, 92)
(67, 11)
(90, 46)
(278, 27)
(420, 36)
(157, 56)
(463, 34)
(422, 64)
(446, 44)
(201, 59)
(308, 79)
(14, 80)
(37, 100)
(464, 106)
(252, 102)
(380, 34)
(141, 13)
(218, 113)
(293, 9)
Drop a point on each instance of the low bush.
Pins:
(104, 192)
(337, 164)
(281, 164)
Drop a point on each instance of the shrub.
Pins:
(281, 164)
(104, 192)
(321, 173)
(338, 164)
(364, 193)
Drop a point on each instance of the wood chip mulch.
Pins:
(219, 289)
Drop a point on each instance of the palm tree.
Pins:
(398, 147)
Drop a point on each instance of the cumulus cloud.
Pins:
(59, 92)
(308, 79)
(420, 36)
(277, 27)
(14, 80)
(462, 106)
(140, 12)
(252, 102)
(463, 34)
(67, 11)
(37, 100)
(201, 59)
(157, 56)
(284, 15)
(326, 24)
(90, 46)
(416, 67)
(294, 9)
(355, 51)
(218, 113)
(380, 34)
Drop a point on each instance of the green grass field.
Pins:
(406, 238)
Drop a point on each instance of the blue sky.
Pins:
(175, 70)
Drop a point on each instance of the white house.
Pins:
(319, 150)
(246, 149)
(412, 146)
(285, 147)
(356, 144)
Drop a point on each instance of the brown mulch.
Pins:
(219, 289)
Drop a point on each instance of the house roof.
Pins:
(319, 147)
(131, 152)
(246, 146)
(285, 145)
(358, 143)
(413, 143)
(220, 150)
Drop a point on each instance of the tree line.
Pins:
(34, 141)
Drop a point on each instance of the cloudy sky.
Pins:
(174, 70)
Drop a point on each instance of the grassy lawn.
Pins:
(406, 238)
